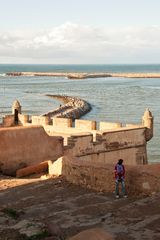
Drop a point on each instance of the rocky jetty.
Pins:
(82, 75)
(73, 107)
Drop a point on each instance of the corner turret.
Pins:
(16, 109)
(16, 106)
(147, 121)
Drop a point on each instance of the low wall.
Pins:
(25, 146)
(144, 180)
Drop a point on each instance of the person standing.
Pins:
(119, 178)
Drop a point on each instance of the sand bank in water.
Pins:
(83, 75)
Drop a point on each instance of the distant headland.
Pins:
(83, 75)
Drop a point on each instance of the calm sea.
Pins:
(112, 99)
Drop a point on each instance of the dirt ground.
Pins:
(57, 203)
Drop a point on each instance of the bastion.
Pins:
(82, 152)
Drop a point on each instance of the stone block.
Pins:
(85, 125)
(62, 122)
(55, 168)
(38, 168)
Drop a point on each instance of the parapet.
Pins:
(85, 125)
(126, 143)
(109, 125)
(62, 122)
(40, 120)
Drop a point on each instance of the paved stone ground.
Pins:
(73, 209)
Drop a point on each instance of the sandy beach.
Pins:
(83, 75)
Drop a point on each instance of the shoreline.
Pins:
(84, 75)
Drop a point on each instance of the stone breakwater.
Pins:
(82, 75)
(73, 107)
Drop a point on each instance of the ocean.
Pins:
(112, 99)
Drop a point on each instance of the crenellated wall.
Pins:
(126, 143)
(86, 142)
(83, 151)
(106, 144)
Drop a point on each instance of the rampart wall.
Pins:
(84, 151)
(108, 147)
(86, 141)
(144, 180)
(103, 144)
(25, 146)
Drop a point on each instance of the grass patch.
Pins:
(11, 212)
(38, 236)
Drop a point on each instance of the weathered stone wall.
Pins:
(144, 180)
(129, 144)
(8, 121)
(131, 156)
(26, 146)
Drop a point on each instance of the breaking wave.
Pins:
(2, 74)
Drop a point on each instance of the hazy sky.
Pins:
(79, 31)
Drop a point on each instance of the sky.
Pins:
(80, 31)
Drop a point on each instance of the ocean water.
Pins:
(112, 99)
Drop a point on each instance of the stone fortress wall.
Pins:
(87, 153)
(26, 146)
(104, 144)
